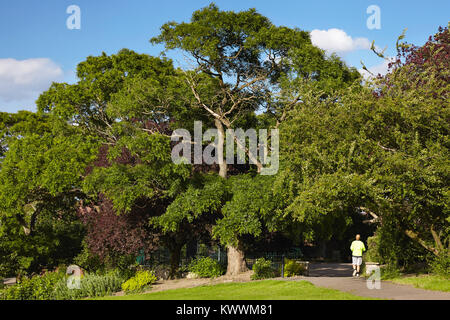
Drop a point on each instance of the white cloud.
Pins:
(337, 40)
(24, 79)
(381, 68)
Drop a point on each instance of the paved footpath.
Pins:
(339, 276)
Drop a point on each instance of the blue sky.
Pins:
(37, 47)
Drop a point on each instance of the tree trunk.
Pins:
(235, 256)
(236, 261)
(251, 156)
(219, 149)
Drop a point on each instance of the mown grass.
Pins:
(256, 290)
(429, 282)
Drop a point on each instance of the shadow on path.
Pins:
(330, 270)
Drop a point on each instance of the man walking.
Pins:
(357, 249)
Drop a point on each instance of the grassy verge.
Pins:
(256, 290)
(429, 282)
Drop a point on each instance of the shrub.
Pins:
(396, 248)
(293, 268)
(87, 260)
(53, 286)
(206, 267)
(35, 288)
(262, 269)
(142, 279)
(91, 285)
(390, 271)
(441, 265)
(373, 250)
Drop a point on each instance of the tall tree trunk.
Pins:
(251, 156)
(219, 149)
(236, 261)
(235, 255)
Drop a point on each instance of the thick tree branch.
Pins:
(413, 235)
(375, 217)
(436, 238)
(199, 100)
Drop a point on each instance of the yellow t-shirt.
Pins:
(357, 248)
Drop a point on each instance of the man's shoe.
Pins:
(357, 274)
(354, 272)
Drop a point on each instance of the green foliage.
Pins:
(243, 41)
(441, 265)
(262, 269)
(379, 146)
(206, 267)
(373, 249)
(34, 288)
(204, 195)
(246, 203)
(54, 242)
(142, 280)
(251, 206)
(293, 268)
(87, 260)
(91, 285)
(195, 37)
(389, 272)
(397, 249)
(40, 177)
(155, 176)
(100, 78)
(22, 123)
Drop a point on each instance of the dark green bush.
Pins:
(293, 268)
(142, 280)
(206, 267)
(262, 269)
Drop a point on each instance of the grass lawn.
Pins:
(429, 282)
(255, 290)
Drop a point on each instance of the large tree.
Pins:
(40, 183)
(380, 150)
(133, 162)
(243, 64)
